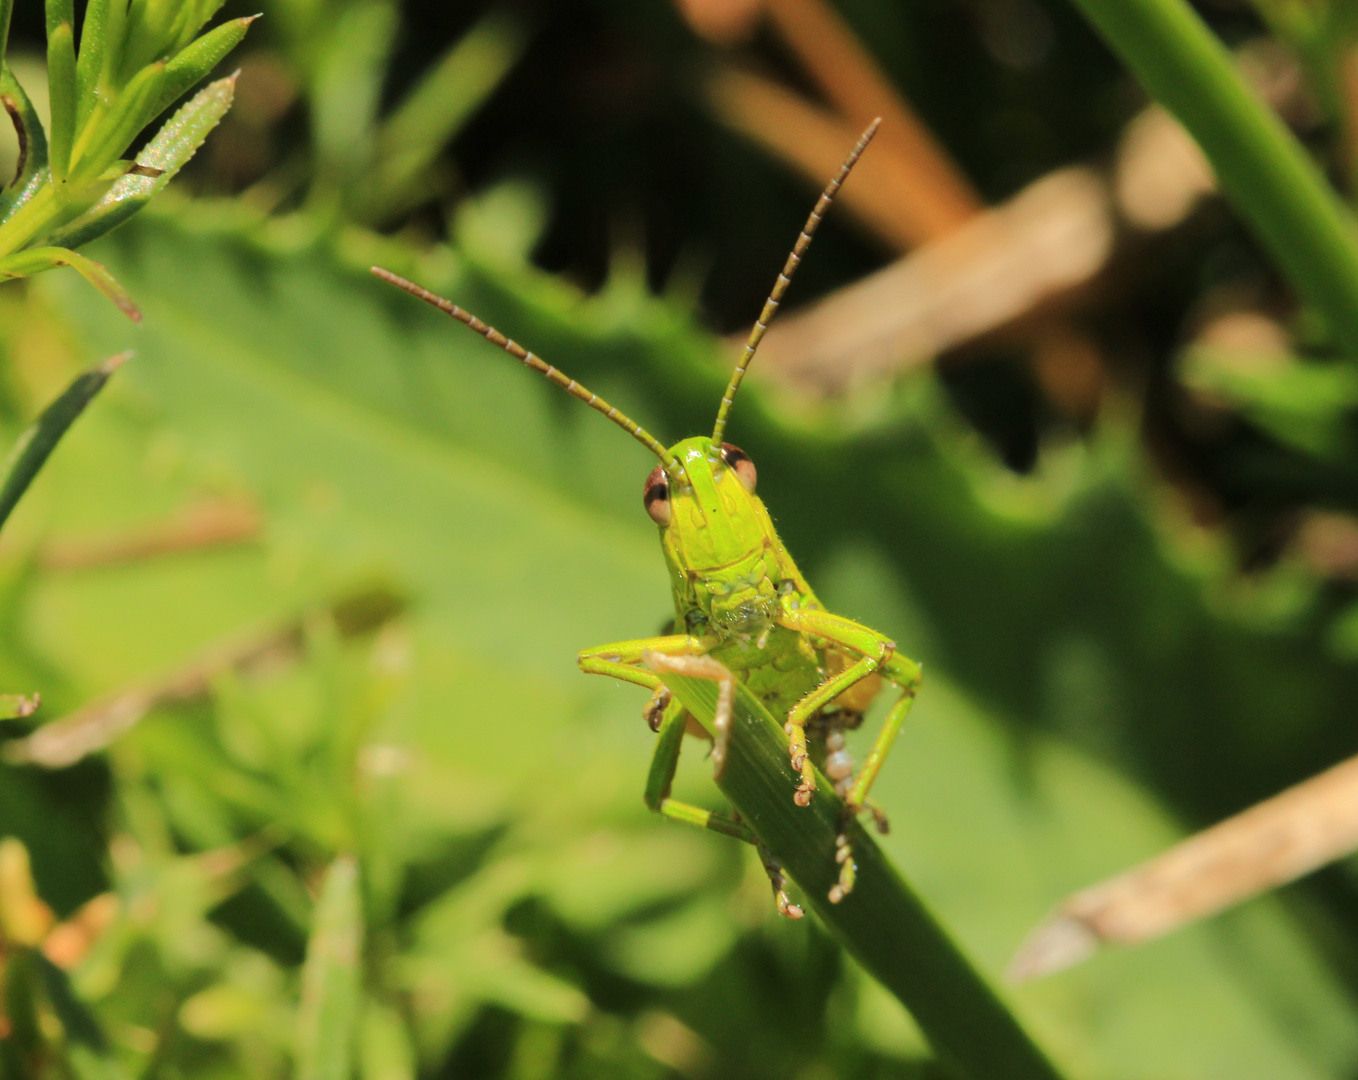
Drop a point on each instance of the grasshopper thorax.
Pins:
(717, 539)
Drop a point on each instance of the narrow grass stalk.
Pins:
(332, 977)
(1263, 170)
(882, 922)
(6, 9)
(36, 444)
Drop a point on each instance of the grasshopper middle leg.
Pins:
(877, 654)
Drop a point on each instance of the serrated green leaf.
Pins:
(176, 142)
(332, 978)
(36, 444)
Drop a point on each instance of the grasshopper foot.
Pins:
(654, 711)
(704, 667)
(839, 767)
(801, 763)
(848, 870)
(778, 880)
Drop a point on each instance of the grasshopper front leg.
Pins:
(667, 717)
(878, 654)
(663, 765)
(622, 659)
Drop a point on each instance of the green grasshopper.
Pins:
(744, 610)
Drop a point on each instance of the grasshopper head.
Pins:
(715, 535)
(718, 539)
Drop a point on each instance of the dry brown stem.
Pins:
(1271, 843)
(87, 730)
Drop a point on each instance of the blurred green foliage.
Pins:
(420, 850)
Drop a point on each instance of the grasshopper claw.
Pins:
(778, 880)
(704, 667)
(848, 869)
(654, 711)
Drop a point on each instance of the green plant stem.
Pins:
(1263, 170)
(882, 922)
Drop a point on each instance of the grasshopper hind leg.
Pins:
(839, 767)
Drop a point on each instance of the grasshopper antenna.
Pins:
(785, 278)
(593, 400)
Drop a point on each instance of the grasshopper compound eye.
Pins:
(740, 463)
(657, 496)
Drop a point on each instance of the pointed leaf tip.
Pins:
(1061, 942)
(36, 444)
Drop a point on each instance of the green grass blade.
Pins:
(6, 8)
(331, 981)
(176, 142)
(432, 113)
(194, 62)
(133, 111)
(193, 18)
(35, 260)
(58, 12)
(77, 1021)
(1262, 168)
(882, 922)
(346, 89)
(115, 30)
(89, 64)
(36, 444)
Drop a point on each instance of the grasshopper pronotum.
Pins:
(744, 610)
